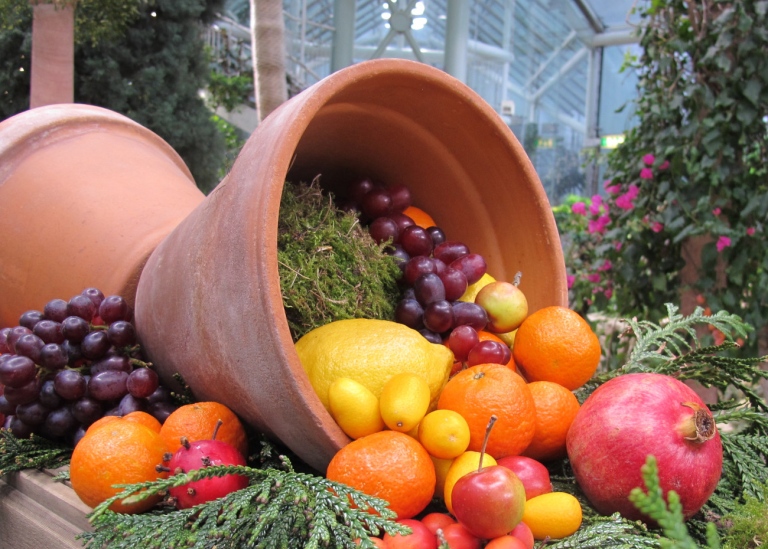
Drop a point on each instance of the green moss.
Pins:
(330, 268)
(748, 524)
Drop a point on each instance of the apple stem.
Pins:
(216, 429)
(518, 276)
(485, 439)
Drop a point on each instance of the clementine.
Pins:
(388, 465)
(198, 421)
(420, 217)
(556, 407)
(143, 418)
(486, 389)
(119, 452)
(556, 344)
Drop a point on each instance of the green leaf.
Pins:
(751, 91)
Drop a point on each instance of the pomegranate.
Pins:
(636, 415)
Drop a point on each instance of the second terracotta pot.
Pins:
(209, 304)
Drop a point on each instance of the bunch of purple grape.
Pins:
(436, 273)
(72, 363)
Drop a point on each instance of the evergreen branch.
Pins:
(17, 454)
(613, 532)
(279, 509)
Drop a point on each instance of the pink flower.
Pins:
(646, 173)
(570, 279)
(606, 183)
(633, 191)
(722, 243)
(608, 292)
(750, 231)
(597, 201)
(618, 245)
(625, 202)
(598, 225)
(716, 211)
(613, 189)
(664, 165)
(649, 159)
(579, 208)
(606, 266)
(594, 278)
(657, 227)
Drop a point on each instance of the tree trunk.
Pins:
(268, 47)
(52, 78)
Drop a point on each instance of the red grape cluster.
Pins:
(72, 363)
(435, 274)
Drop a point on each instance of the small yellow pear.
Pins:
(404, 401)
(354, 407)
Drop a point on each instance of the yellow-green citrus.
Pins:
(553, 515)
(371, 351)
(354, 408)
(404, 401)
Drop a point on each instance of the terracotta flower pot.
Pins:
(85, 196)
(209, 303)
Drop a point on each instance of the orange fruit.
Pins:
(555, 515)
(556, 407)
(444, 434)
(121, 451)
(198, 421)
(388, 465)
(143, 418)
(484, 335)
(487, 389)
(420, 217)
(557, 344)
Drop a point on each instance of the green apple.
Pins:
(505, 304)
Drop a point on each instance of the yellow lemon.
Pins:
(444, 434)
(472, 289)
(371, 351)
(467, 462)
(555, 515)
(404, 401)
(354, 407)
(441, 471)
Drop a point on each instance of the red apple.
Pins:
(533, 474)
(523, 532)
(458, 537)
(433, 521)
(420, 538)
(505, 304)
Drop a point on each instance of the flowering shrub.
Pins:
(694, 166)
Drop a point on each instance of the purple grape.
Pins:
(28, 319)
(78, 435)
(130, 403)
(428, 288)
(440, 266)
(471, 314)
(431, 336)
(17, 427)
(108, 385)
(401, 197)
(450, 250)
(487, 352)
(4, 348)
(161, 394)
(383, 229)
(24, 394)
(53, 356)
(95, 345)
(95, 295)
(461, 341)
(74, 353)
(48, 396)
(70, 384)
(437, 235)
(114, 308)
(49, 331)
(416, 241)
(410, 312)
(13, 336)
(438, 316)
(142, 382)
(399, 254)
(161, 410)
(29, 345)
(472, 265)
(56, 310)
(118, 363)
(33, 413)
(417, 266)
(81, 306)
(17, 371)
(6, 408)
(360, 188)
(75, 328)
(401, 220)
(455, 283)
(121, 334)
(377, 203)
(60, 422)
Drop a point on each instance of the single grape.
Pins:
(24, 394)
(122, 334)
(56, 310)
(130, 403)
(118, 363)
(95, 345)
(428, 288)
(436, 234)
(18, 428)
(455, 283)
(53, 356)
(4, 348)
(450, 250)
(472, 265)
(6, 408)
(48, 396)
(417, 266)
(161, 394)
(401, 197)
(416, 241)
(78, 435)
(60, 422)
(383, 229)
(70, 384)
(49, 331)
(438, 316)
(33, 413)
(440, 266)
(400, 255)
(108, 385)
(486, 352)
(161, 410)
(13, 336)
(75, 328)
(114, 308)
(28, 319)
(377, 203)
(29, 345)
(401, 220)
(16, 371)
(461, 340)
(95, 295)
(360, 188)
(81, 306)
(431, 336)
(142, 382)
(471, 314)
(410, 312)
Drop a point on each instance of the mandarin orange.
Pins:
(420, 217)
(556, 407)
(198, 421)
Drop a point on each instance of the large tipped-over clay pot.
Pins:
(209, 304)
(85, 196)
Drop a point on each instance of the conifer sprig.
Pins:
(17, 454)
